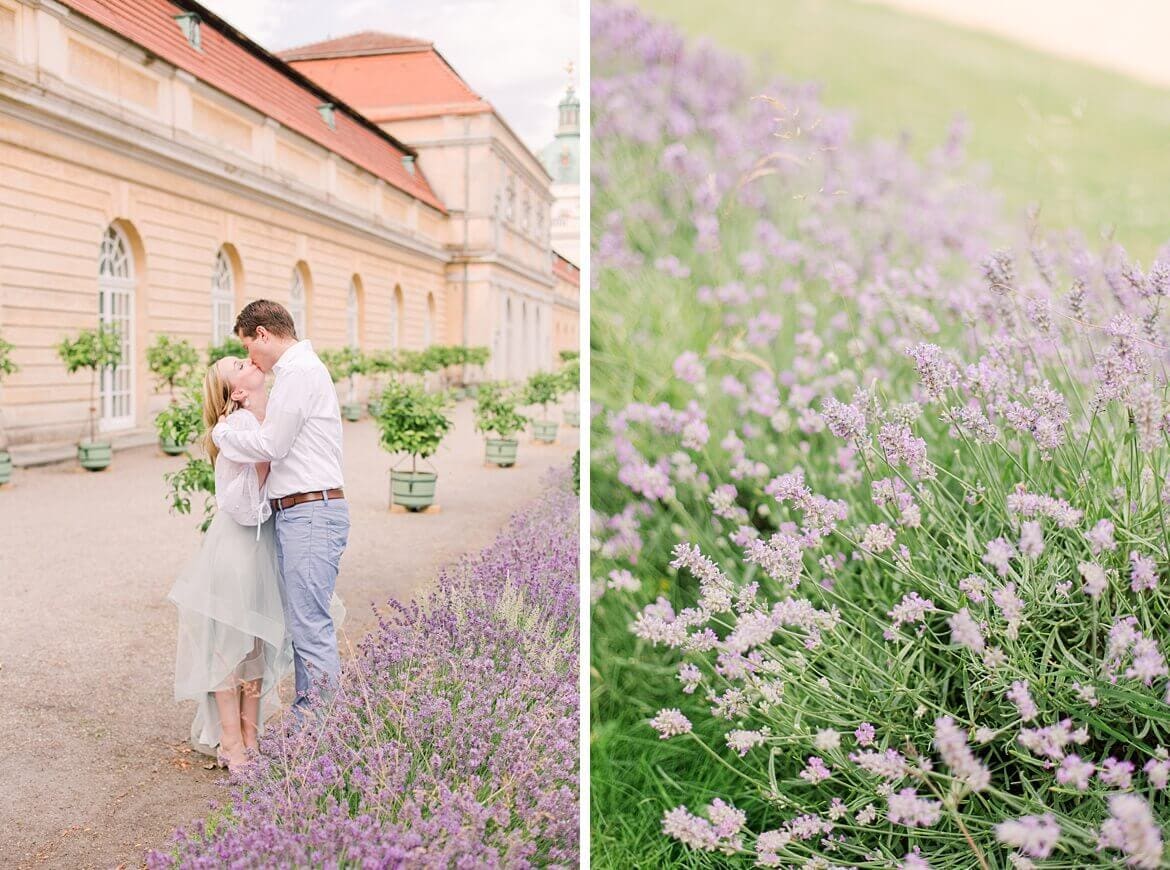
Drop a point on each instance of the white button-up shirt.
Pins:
(301, 433)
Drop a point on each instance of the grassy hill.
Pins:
(1088, 146)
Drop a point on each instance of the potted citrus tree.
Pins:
(542, 389)
(495, 413)
(97, 350)
(570, 375)
(230, 346)
(457, 357)
(181, 422)
(346, 364)
(170, 362)
(7, 367)
(379, 364)
(412, 422)
(435, 359)
(412, 362)
(478, 357)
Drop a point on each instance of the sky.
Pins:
(511, 52)
(1127, 36)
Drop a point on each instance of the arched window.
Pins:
(116, 310)
(429, 323)
(510, 200)
(397, 315)
(526, 213)
(223, 298)
(353, 314)
(298, 301)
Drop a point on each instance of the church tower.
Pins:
(562, 160)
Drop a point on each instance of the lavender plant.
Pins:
(885, 499)
(453, 738)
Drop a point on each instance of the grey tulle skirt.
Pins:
(231, 624)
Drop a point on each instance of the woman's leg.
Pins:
(231, 741)
(250, 713)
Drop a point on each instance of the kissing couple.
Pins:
(259, 595)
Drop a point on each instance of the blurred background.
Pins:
(1069, 102)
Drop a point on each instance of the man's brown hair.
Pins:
(271, 315)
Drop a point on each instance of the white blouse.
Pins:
(237, 485)
(301, 434)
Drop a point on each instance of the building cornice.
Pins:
(541, 182)
(522, 291)
(40, 107)
(546, 279)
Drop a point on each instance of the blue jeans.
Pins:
(310, 539)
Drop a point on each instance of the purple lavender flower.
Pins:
(1132, 830)
(1035, 836)
(452, 740)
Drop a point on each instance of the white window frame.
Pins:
(353, 323)
(298, 303)
(397, 315)
(116, 309)
(223, 298)
(429, 323)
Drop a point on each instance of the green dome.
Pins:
(562, 156)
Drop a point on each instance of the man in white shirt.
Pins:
(301, 438)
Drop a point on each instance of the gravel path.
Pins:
(94, 764)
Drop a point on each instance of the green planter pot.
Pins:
(171, 448)
(544, 430)
(502, 451)
(5, 467)
(352, 411)
(414, 490)
(95, 455)
(473, 390)
(375, 408)
(572, 417)
(460, 393)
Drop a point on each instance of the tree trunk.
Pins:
(93, 405)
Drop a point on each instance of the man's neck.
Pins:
(291, 343)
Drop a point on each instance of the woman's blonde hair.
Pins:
(217, 402)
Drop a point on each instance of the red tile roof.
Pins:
(355, 45)
(392, 78)
(564, 268)
(387, 78)
(232, 63)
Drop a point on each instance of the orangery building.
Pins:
(158, 170)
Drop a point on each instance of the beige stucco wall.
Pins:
(566, 317)
(94, 132)
(57, 196)
(501, 263)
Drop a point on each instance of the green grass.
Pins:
(1083, 143)
(634, 776)
(1086, 145)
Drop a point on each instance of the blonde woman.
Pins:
(233, 648)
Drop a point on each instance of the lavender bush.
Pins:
(453, 738)
(886, 478)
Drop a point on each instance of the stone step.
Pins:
(48, 452)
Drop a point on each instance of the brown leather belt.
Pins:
(280, 504)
